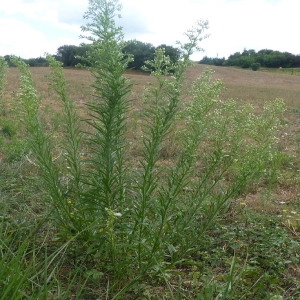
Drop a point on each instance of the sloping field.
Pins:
(246, 85)
(255, 87)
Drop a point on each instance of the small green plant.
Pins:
(29, 269)
(8, 129)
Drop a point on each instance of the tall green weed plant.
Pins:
(140, 220)
(3, 69)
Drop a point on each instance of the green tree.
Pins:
(246, 61)
(69, 54)
(207, 60)
(140, 51)
(9, 61)
(216, 61)
(3, 69)
(37, 62)
(233, 59)
(266, 58)
(172, 52)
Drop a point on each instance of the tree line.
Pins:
(252, 59)
(32, 62)
(71, 55)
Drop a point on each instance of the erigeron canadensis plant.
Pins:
(137, 224)
(3, 69)
(40, 142)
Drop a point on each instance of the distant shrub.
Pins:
(255, 66)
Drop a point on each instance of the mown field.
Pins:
(255, 242)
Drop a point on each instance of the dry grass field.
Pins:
(279, 201)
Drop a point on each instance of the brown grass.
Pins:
(255, 87)
(244, 85)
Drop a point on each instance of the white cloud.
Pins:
(233, 24)
(17, 37)
(31, 27)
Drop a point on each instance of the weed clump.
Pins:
(123, 222)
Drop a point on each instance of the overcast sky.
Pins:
(29, 28)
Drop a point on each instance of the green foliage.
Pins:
(108, 111)
(216, 61)
(3, 68)
(170, 51)
(12, 145)
(8, 128)
(29, 269)
(246, 62)
(8, 60)
(266, 58)
(119, 221)
(32, 62)
(255, 66)
(70, 55)
(141, 52)
(13, 278)
(276, 59)
(15, 149)
(37, 62)
(262, 251)
(40, 142)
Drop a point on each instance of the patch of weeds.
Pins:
(264, 251)
(8, 128)
(13, 146)
(131, 230)
(20, 194)
(57, 121)
(291, 218)
(16, 149)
